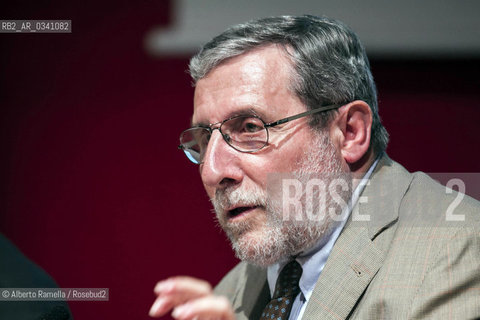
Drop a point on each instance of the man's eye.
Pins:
(205, 139)
(252, 126)
(202, 138)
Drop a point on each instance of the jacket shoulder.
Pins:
(438, 205)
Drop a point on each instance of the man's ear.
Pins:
(355, 124)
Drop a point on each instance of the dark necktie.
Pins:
(286, 289)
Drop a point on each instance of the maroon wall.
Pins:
(92, 186)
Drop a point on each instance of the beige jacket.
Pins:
(406, 262)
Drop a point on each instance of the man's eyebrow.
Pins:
(194, 124)
(198, 124)
(249, 111)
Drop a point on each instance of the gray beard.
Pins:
(283, 238)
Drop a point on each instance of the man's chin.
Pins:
(252, 256)
(244, 239)
(269, 245)
(256, 248)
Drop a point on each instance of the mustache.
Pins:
(230, 197)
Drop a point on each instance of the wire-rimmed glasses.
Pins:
(244, 133)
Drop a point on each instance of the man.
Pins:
(289, 103)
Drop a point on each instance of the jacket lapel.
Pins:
(361, 247)
(251, 298)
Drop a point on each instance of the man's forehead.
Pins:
(255, 81)
(247, 110)
(212, 110)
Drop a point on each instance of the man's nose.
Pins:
(221, 163)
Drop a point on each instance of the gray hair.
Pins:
(330, 62)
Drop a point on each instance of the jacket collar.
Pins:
(360, 251)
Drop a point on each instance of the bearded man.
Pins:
(287, 105)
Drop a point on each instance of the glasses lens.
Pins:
(245, 133)
(194, 142)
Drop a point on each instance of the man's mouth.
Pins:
(238, 211)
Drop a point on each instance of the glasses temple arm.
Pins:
(303, 114)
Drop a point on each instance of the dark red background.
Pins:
(92, 186)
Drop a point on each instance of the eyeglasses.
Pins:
(244, 133)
